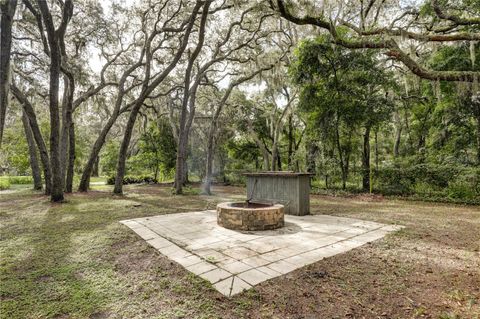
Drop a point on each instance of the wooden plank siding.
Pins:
(289, 189)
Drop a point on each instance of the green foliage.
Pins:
(455, 57)
(344, 93)
(109, 157)
(133, 180)
(7, 181)
(340, 83)
(242, 156)
(20, 180)
(4, 184)
(15, 149)
(466, 186)
(243, 151)
(430, 180)
(156, 151)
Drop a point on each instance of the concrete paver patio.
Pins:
(234, 261)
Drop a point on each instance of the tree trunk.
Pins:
(181, 167)
(7, 13)
(277, 129)
(478, 141)
(366, 160)
(261, 146)
(32, 151)
(94, 153)
(185, 179)
(342, 161)
(398, 137)
(95, 171)
(476, 113)
(311, 156)
(274, 157)
(155, 170)
(64, 130)
(266, 159)
(213, 130)
(55, 38)
(37, 134)
(344, 178)
(210, 153)
(147, 89)
(376, 150)
(398, 133)
(71, 159)
(122, 154)
(189, 95)
(291, 142)
(100, 141)
(67, 125)
(478, 137)
(55, 161)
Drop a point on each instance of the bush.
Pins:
(4, 184)
(20, 179)
(133, 180)
(433, 181)
(460, 191)
(466, 186)
(394, 181)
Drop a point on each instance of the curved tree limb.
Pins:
(393, 50)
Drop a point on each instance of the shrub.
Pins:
(133, 180)
(20, 179)
(465, 186)
(394, 180)
(4, 184)
(433, 181)
(426, 189)
(458, 190)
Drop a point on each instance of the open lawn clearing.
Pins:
(75, 260)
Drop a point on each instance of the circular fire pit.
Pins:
(250, 216)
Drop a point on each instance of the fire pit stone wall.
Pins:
(242, 216)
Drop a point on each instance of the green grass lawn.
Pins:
(74, 260)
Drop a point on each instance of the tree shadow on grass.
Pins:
(46, 283)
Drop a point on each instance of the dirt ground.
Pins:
(75, 260)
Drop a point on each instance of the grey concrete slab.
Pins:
(234, 261)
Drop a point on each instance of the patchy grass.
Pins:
(75, 260)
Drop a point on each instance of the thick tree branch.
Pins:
(456, 19)
(392, 48)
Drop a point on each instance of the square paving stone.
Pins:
(159, 242)
(253, 276)
(269, 272)
(283, 266)
(255, 261)
(239, 252)
(236, 267)
(238, 286)
(201, 267)
(215, 275)
(234, 261)
(224, 286)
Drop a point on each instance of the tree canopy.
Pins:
(369, 95)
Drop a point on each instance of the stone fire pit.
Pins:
(250, 216)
